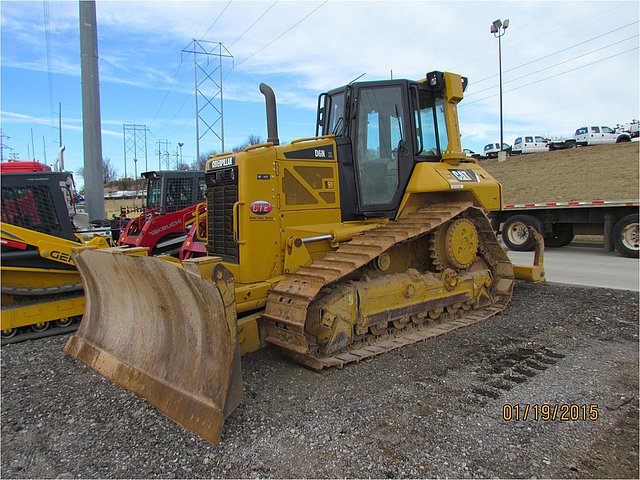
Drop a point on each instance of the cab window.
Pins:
(432, 120)
(154, 193)
(540, 139)
(336, 114)
(595, 129)
(518, 141)
(607, 130)
(528, 139)
(581, 131)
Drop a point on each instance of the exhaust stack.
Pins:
(272, 116)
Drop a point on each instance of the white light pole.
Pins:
(498, 28)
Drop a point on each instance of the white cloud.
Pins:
(19, 118)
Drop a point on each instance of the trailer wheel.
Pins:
(562, 235)
(626, 236)
(515, 234)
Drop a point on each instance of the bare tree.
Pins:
(251, 140)
(201, 163)
(109, 171)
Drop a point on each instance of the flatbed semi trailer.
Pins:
(559, 222)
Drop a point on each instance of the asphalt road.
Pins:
(587, 266)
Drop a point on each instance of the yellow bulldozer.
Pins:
(367, 237)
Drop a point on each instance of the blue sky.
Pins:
(565, 64)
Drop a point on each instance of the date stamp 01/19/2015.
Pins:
(546, 412)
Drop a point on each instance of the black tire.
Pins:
(515, 234)
(626, 237)
(562, 235)
(623, 139)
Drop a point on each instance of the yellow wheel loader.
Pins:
(370, 236)
(41, 288)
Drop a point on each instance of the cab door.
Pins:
(383, 148)
(595, 136)
(540, 144)
(608, 135)
(527, 145)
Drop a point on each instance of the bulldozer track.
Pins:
(289, 300)
(51, 332)
(29, 292)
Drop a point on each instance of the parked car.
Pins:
(471, 154)
(597, 135)
(491, 150)
(529, 144)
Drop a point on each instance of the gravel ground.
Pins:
(428, 410)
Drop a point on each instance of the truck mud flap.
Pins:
(163, 330)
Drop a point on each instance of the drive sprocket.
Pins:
(455, 244)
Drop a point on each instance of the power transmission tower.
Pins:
(3, 146)
(135, 146)
(210, 108)
(177, 157)
(163, 153)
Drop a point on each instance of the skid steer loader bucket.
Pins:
(164, 331)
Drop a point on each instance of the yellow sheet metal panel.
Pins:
(431, 177)
(279, 187)
(257, 216)
(17, 277)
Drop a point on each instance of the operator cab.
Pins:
(174, 190)
(382, 130)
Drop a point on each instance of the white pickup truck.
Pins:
(529, 144)
(597, 135)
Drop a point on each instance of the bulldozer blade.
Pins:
(163, 331)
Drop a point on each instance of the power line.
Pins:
(559, 51)
(47, 37)
(282, 34)
(254, 23)
(167, 92)
(488, 40)
(166, 124)
(552, 76)
(555, 65)
(216, 20)
(537, 36)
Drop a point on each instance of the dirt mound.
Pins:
(600, 172)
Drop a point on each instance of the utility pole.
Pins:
(91, 124)
(499, 28)
(44, 150)
(33, 148)
(60, 123)
(213, 104)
